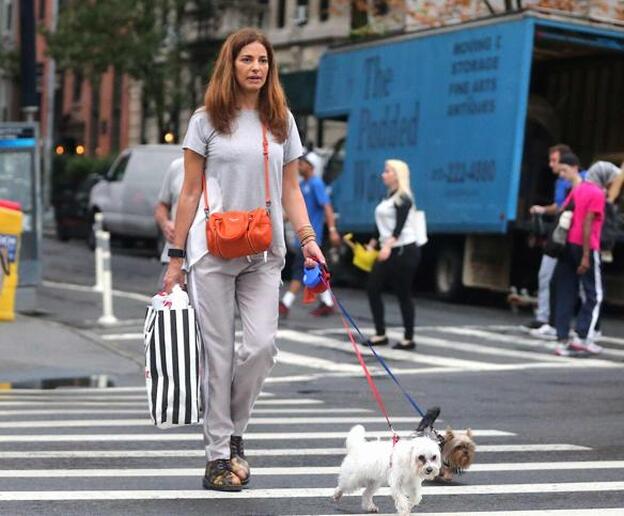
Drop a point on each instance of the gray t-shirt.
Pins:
(235, 173)
(169, 194)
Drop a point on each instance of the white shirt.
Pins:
(386, 220)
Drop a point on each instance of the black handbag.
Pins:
(556, 242)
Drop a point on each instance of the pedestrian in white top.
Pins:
(399, 254)
(224, 142)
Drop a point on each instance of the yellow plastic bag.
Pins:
(363, 258)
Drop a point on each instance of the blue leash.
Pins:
(378, 357)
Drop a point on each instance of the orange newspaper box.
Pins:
(10, 234)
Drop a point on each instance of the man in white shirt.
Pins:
(167, 206)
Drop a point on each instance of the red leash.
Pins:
(322, 284)
(369, 378)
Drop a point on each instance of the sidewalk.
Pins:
(38, 348)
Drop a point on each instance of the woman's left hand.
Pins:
(313, 254)
(384, 254)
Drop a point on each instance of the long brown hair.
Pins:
(221, 94)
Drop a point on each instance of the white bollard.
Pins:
(97, 229)
(107, 282)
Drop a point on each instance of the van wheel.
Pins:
(161, 242)
(62, 232)
(448, 273)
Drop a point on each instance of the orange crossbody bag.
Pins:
(232, 234)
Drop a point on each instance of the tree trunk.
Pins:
(144, 111)
(94, 129)
(115, 129)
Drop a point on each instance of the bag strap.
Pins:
(267, 191)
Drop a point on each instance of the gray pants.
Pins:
(232, 378)
(546, 270)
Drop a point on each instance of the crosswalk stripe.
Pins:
(70, 391)
(329, 343)
(289, 401)
(612, 340)
(538, 512)
(269, 452)
(285, 357)
(302, 471)
(469, 347)
(311, 492)
(44, 398)
(142, 409)
(53, 396)
(309, 420)
(60, 404)
(260, 436)
(138, 401)
(122, 336)
(517, 339)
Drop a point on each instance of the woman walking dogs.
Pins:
(399, 254)
(244, 146)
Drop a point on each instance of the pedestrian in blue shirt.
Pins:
(320, 211)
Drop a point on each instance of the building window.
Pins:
(42, 9)
(9, 17)
(380, 7)
(77, 90)
(324, 10)
(359, 14)
(281, 13)
(301, 13)
(261, 17)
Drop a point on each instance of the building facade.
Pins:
(9, 101)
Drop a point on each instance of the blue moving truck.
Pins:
(472, 109)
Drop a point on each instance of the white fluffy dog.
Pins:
(403, 467)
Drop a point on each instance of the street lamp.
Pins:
(80, 150)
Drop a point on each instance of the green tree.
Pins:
(93, 36)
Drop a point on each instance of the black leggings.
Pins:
(399, 269)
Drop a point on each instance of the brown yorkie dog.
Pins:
(457, 448)
(458, 451)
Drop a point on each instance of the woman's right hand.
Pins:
(174, 275)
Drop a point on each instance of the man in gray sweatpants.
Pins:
(212, 282)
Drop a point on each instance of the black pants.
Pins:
(399, 269)
(567, 282)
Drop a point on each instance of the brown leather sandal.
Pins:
(240, 466)
(219, 476)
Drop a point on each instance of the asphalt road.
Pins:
(548, 429)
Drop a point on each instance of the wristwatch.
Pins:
(176, 253)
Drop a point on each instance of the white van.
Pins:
(128, 193)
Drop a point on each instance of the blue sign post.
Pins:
(20, 182)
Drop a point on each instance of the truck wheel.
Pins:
(161, 242)
(448, 273)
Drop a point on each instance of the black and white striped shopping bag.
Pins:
(172, 365)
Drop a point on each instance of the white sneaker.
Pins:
(584, 346)
(545, 331)
(596, 335)
(593, 348)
